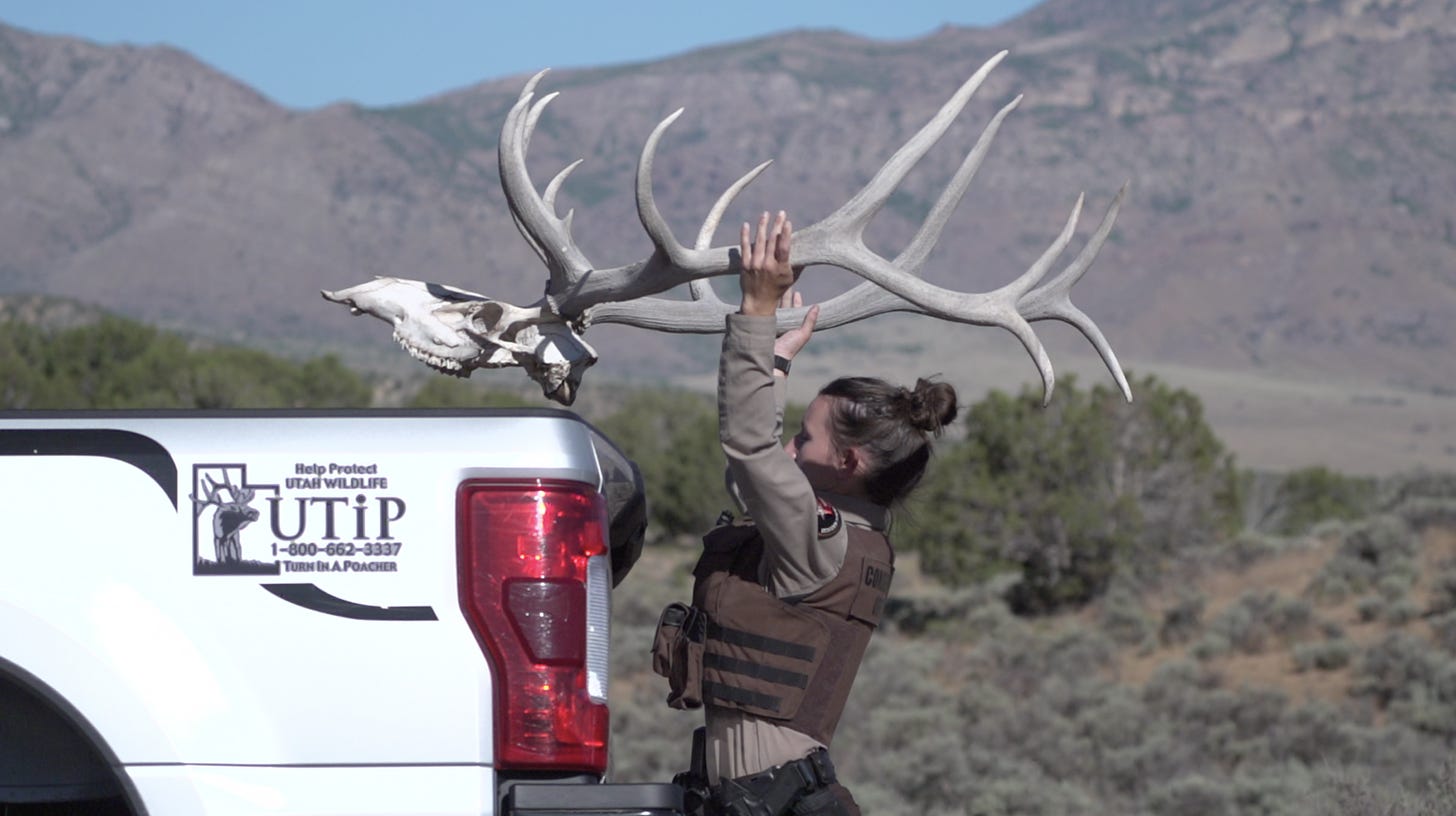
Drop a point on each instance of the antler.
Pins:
(209, 492)
(457, 331)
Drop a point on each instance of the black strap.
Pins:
(731, 694)
(759, 671)
(762, 643)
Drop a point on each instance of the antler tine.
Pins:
(1034, 273)
(511, 152)
(868, 299)
(995, 308)
(699, 288)
(508, 145)
(549, 197)
(555, 186)
(228, 482)
(678, 256)
(537, 220)
(534, 115)
(706, 310)
(914, 255)
(1053, 300)
(210, 488)
(850, 219)
(670, 265)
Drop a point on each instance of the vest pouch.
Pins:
(677, 654)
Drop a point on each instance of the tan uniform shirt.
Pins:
(780, 501)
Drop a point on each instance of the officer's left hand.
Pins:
(793, 341)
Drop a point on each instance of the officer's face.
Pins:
(813, 449)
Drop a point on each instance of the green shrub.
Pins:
(118, 363)
(1370, 608)
(673, 438)
(1339, 577)
(1273, 789)
(1372, 551)
(1421, 512)
(451, 392)
(1423, 497)
(1192, 795)
(1248, 623)
(1123, 618)
(1182, 621)
(1357, 794)
(1323, 655)
(1394, 587)
(1249, 547)
(1311, 495)
(1443, 626)
(1401, 612)
(1381, 541)
(1065, 496)
(1443, 591)
(1415, 684)
(1211, 646)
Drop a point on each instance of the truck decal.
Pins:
(300, 517)
(309, 596)
(141, 452)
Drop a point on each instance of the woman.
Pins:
(791, 599)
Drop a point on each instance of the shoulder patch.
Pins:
(829, 520)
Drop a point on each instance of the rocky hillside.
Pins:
(1290, 163)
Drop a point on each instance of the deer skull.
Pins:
(455, 331)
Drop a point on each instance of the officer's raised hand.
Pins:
(767, 280)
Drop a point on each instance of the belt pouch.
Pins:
(677, 654)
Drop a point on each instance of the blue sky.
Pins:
(308, 53)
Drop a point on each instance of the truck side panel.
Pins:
(286, 601)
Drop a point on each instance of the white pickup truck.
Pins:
(312, 613)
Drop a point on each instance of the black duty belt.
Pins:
(774, 791)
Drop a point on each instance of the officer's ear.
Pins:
(853, 463)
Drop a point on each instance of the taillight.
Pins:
(535, 585)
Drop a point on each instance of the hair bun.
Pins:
(932, 405)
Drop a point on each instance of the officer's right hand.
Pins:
(765, 274)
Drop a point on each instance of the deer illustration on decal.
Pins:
(229, 516)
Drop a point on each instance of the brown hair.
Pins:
(893, 425)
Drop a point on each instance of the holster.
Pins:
(800, 788)
(677, 653)
(694, 781)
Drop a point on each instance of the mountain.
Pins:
(1289, 218)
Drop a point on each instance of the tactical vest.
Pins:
(788, 661)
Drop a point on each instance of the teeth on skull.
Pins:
(442, 363)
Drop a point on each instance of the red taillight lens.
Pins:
(525, 551)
